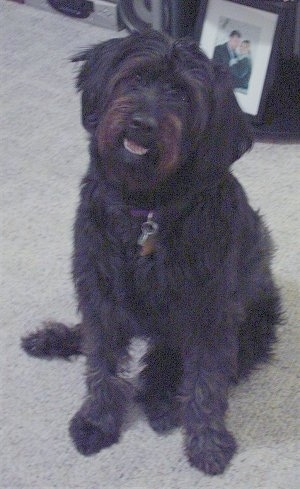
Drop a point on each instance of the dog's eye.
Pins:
(177, 93)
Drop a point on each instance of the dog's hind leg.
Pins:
(55, 340)
(160, 380)
(257, 333)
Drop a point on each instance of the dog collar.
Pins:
(140, 213)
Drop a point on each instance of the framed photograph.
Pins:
(244, 35)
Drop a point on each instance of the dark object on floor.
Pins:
(73, 8)
(282, 115)
(178, 18)
(166, 246)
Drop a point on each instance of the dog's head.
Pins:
(155, 105)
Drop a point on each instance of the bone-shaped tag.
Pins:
(147, 237)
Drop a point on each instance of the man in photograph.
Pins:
(226, 52)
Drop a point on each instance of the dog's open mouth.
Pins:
(134, 148)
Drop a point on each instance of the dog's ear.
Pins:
(228, 134)
(230, 123)
(98, 64)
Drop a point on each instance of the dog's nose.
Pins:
(144, 122)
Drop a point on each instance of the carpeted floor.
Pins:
(44, 154)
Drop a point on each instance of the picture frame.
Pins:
(252, 54)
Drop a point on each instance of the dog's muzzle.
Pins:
(141, 134)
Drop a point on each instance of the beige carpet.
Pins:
(43, 156)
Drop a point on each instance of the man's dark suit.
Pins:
(222, 54)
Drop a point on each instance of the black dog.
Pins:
(164, 129)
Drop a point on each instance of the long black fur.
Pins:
(205, 295)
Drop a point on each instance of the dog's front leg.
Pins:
(209, 446)
(98, 423)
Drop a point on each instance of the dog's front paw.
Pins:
(90, 438)
(210, 451)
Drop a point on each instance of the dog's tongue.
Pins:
(134, 148)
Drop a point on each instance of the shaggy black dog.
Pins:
(164, 129)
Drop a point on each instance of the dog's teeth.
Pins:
(135, 148)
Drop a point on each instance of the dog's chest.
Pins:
(160, 265)
(159, 268)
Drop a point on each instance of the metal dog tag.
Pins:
(149, 230)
